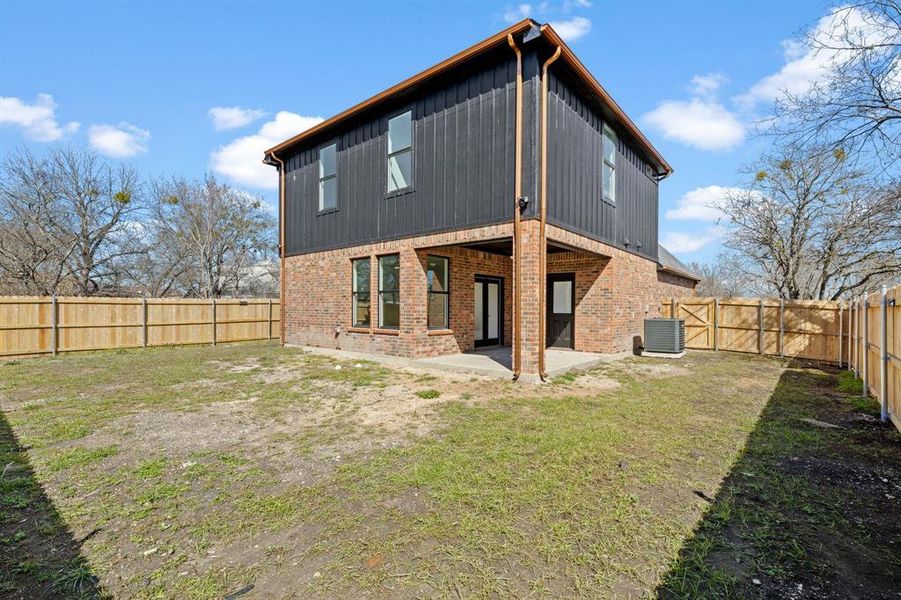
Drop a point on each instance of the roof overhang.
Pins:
(495, 40)
(679, 272)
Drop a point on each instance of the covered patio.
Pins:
(498, 361)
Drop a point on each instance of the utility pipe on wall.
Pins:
(281, 246)
(542, 233)
(517, 195)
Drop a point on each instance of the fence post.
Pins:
(841, 333)
(883, 355)
(848, 364)
(143, 321)
(214, 321)
(54, 323)
(865, 346)
(269, 329)
(781, 327)
(855, 313)
(716, 324)
(760, 337)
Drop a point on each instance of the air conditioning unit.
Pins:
(664, 336)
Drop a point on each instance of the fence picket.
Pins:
(807, 329)
(75, 324)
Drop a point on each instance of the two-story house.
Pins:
(499, 197)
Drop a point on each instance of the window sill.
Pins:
(400, 192)
(441, 332)
(326, 211)
(357, 330)
(386, 331)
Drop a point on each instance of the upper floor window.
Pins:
(608, 174)
(389, 291)
(328, 177)
(438, 292)
(400, 151)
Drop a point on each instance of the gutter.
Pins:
(517, 198)
(542, 233)
(272, 159)
(684, 274)
(492, 42)
(455, 60)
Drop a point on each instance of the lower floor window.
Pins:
(361, 306)
(389, 291)
(438, 279)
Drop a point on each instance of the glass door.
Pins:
(488, 309)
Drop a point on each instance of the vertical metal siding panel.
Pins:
(482, 138)
(422, 160)
(463, 169)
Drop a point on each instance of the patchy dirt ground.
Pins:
(260, 472)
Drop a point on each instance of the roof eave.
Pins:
(570, 57)
(486, 44)
(679, 272)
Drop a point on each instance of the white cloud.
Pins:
(702, 204)
(572, 29)
(118, 141)
(232, 117)
(570, 4)
(517, 13)
(680, 242)
(37, 120)
(707, 85)
(241, 159)
(700, 122)
(805, 66)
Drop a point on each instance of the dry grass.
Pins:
(197, 472)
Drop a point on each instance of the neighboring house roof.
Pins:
(669, 263)
(495, 40)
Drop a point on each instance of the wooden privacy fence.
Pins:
(863, 334)
(49, 325)
(874, 348)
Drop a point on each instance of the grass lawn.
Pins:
(258, 472)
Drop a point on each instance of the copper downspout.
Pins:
(542, 234)
(281, 247)
(517, 194)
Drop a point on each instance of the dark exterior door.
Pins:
(488, 311)
(561, 309)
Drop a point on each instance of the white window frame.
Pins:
(323, 177)
(392, 152)
(609, 133)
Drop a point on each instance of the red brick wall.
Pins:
(615, 292)
(317, 304)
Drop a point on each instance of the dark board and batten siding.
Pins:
(575, 137)
(463, 146)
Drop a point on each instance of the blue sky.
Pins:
(138, 81)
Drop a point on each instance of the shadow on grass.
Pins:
(808, 510)
(39, 557)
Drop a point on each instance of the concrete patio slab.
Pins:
(492, 362)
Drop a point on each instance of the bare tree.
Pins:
(32, 254)
(857, 103)
(811, 226)
(727, 275)
(206, 236)
(96, 202)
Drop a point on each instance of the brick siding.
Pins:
(615, 291)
